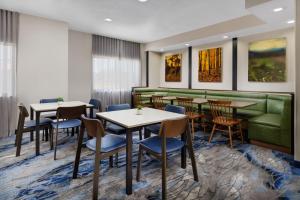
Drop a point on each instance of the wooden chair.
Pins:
(223, 121)
(138, 101)
(67, 117)
(158, 102)
(96, 106)
(104, 146)
(168, 142)
(29, 126)
(187, 103)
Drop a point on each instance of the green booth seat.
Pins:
(269, 120)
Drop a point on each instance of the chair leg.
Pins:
(43, 137)
(241, 132)
(31, 136)
(164, 176)
(55, 146)
(19, 142)
(140, 133)
(73, 131)
(111, 161)
(138, 168)
(46, 135)
(212, 133)
(116, 159)
(96, 173)
(192, 156)
(193, 129)
(51, 138)
(230, 136)
(78, 152)
(147, 133)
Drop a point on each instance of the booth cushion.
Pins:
(267, 119)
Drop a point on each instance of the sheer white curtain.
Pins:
(116, 69)
(8, 49)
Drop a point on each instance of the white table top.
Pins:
(44, 107)
(129, 118)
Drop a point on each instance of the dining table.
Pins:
(38, 108)
(131, 120)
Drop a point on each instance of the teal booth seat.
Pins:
(269, 120)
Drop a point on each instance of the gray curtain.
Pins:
(9, 23)
(116, 69)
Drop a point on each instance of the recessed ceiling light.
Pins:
(108, 19)
(225, 36)
(291, 21)
(187, 44)
(142, 1)
(277, 9)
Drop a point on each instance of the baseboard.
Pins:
(271, 146)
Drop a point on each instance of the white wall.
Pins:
(80, 66)
(184, 70)
(154, 69)
(289, 85)
(42, 63)
(226, 83)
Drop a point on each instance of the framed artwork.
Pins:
(267, 60)
(210, 65)
(173, 64)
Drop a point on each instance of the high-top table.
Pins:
(130, 121)
(48, 107)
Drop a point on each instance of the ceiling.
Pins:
(132, 20)
(155, 19)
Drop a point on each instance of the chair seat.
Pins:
(109, 143)
(154, 143)
(67, 123)
(43, 121)
(113, 128)
(154, 128)
(226, 121)
(194, 115)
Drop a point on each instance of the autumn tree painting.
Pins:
(173, 68)
(210, 65)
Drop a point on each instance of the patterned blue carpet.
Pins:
(245, 172)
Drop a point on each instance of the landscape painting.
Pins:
(210, 65)
(267, 60)
(173, 68)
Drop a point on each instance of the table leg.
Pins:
(31, 118)
(91, 112)
(128, 162)
(199, 108)
(37, 133)
(172, 102)
(234, 113)
(183, 152)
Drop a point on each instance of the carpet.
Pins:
(244, 172)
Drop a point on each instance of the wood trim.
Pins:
(234, 63)
(190, 66)
(147, 68)
(271, 146)
(293, 124)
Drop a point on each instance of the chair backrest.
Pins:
(220, 110)
(175, 109)
(23, 113)
(93, 127)
(96, 104)
(73, 112)
(53, 100)
(115, 107)
(137, 99)
(157, 101)
(186, 102)
(174, 128)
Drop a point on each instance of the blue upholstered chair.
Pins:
(27, 126)
(96, 106)
(67, 117)
(105, 145)
(155, 127)
(115, 129)
(167, 142)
